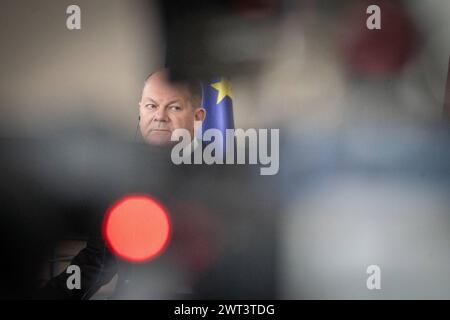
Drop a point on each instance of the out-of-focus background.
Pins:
(315, 59)
(364, 145)
(54, 78)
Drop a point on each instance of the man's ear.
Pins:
(139, 110)
(200, 114)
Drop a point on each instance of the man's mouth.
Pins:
(160, 130)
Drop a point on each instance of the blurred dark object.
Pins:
(223, 238)
(446, 113)
(210, 38)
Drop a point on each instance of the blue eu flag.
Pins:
(218, 103)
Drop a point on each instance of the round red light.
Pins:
(137, 228)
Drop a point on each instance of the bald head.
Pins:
(192, 86)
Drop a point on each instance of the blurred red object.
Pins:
(378, 52)
(137, 228)
(197, 236)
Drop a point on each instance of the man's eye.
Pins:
(175, 108)
(150, 106)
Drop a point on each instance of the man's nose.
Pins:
(161, 114)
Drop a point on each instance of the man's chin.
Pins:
(159, 138)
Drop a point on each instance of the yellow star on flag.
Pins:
(224, 88)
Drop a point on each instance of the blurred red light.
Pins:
(137, 228)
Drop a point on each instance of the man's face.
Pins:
(165, 107)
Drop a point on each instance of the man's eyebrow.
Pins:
(174, 101)
(177, 100)
(150, 99)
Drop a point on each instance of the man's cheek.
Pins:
(146, 129)
(146, 121)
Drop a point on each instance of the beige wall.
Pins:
(52, 76)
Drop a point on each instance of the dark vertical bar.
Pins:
(446, 113)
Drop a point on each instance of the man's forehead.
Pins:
(164, 90)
